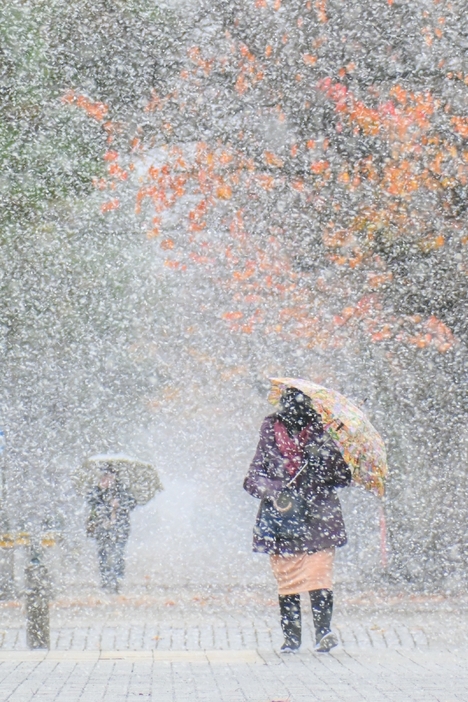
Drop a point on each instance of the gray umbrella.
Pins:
(139, 478)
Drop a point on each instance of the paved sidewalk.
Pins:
(237, 676)
(209, 649)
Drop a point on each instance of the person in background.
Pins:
(109, 523)
(295, 473)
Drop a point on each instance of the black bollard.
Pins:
(37, 604)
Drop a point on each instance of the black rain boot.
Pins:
(290, 610)
(322, 610)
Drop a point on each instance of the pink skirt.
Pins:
(302, 572)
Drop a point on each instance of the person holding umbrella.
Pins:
(109, 523)
(113, 485)
(318, 441)
(295, 473)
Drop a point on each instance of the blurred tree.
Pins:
(301, 165)
(317, 154)
(74, 285)
(47, 152)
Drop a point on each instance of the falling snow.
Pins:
(198, 196)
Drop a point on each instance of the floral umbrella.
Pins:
(361, 445)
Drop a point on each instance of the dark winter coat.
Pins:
(323, 526)
(109, 516)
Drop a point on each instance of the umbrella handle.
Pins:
(297, 475)
(383, 539)
(279, 509)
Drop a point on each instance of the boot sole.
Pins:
(326, 644)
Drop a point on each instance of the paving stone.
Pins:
(124, 653)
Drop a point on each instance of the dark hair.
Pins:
(297, 411)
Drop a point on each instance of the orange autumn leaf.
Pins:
(436, 326)
(298, 185)
(309, 60)
(266, 182)
(460, 124)
(224, 192)
(225, 158)
(199, 210)
(167, 244)
(383, 334)
(118, 172)
(97, 110)
(442, 337)
(232, 316)
(241, 84)
(348, 312)
(111, 205)
(111, 156)
(244, 275)
(336, 239)
(400, 94)
(345, 316)
(432, 243)
(142, 193)
(100, 183)
(156, 230)
(420, 340)
(176, 265)
(357, 259)
(338, 260)
(321, 10)
(244, 50)
(344, 177)
(197, 226)
(204, 260)
(376, 280)
(196, 57)
(319, 167)
(400, 179)
(272, 160)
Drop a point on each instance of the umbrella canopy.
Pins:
(362, 446)
(139, 478)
